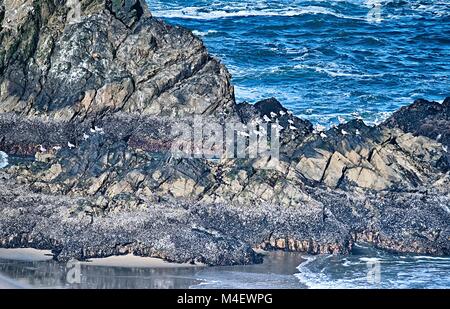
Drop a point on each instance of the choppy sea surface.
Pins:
(365, 268)
(325, 58)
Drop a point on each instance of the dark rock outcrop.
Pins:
(115, 58)
(430, 119)
(87, 112)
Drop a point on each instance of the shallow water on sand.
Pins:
(365, 268)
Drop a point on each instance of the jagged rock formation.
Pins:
(86, 116)
(115, 58)
(424, 118)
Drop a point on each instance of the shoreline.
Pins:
(133, 261)
(130, 271)
(279, 269)
(127, 261)
(8, 283)
(25, 254)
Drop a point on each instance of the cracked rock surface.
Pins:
(116, 58)
(87, 111)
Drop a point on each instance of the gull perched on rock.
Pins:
(261, 130)
(266, 119)
(273, 115)
(70, 145)
(57, 148)
(344, 132)
(323, 135)
(99, 130)
(42, 148)
(445, 148)
(292, 128)
(319, 128)
(290, 113)
(95, 56)
(85, 136)
(439, 137)
(291, 121)
(282, 113)
(357, 132)
(341, 119)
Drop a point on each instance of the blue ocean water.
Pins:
(325, 58)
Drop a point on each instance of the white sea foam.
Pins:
(319, 280)
(3, 159)
(370, 259)
(425, 257)
(203, 33)
(350, 272)
(202, 14)
(334, 70)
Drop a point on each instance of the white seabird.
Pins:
(282, 113)
(445, 148)
(57, 148)
(273, 115)
(85, 136)
(257, 121)
(266, 119)
(70, 145)
(320, 128)
(42, 148)
(344, 132)
(3, 159)
(341, 119)
(99, 130)
(357, 132)
(292, 128)
(323, 135)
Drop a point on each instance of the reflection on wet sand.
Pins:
(48, 273)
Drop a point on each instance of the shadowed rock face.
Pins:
(425, 118)
(115, 58)
(92, 193)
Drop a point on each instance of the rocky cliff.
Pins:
(87, 111)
